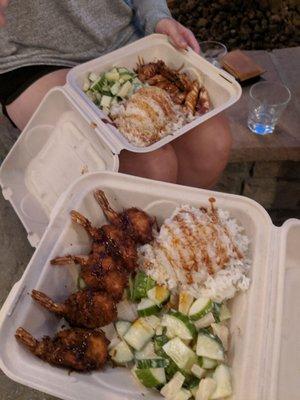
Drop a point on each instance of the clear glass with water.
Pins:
(213, 52)
(266, 103)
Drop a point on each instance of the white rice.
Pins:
(202, 251)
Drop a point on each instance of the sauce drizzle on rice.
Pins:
(193, 246)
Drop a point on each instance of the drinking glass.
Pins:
(213, 52)
(266, 103)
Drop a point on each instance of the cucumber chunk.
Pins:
(151, 377)
(147, 307)
(86, 84)
(122, 327)
(200, 308)
(93, 77)
(152, 363)
(173, 386)
(185, 302)
(179, 325)
(115, 88)
(153, 321)
(139, 334)
(207, 386)
(125, 88)
(121, 353)
(159, 341)
(112, 75)
(197, 371)
(207, 363)
(222, 332)
(183, 394)
(224, 312)
(180, 353)
(223, 380)
(147, 352)
(142, 283)
(159, 294)
(205, 321)
(105, 101)
(210, 346)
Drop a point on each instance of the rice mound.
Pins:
(202, 251)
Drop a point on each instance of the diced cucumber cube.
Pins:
(115, 88)
(205, 321)
(105, 101)
(121, 353)
(207, 386)
(151, 377)
(126, 77)
(152, 363)
(183, 394)
(185, 302)
(173, 386)
(180, 353)
(197, 371)
(207, 363)
(147, 307)
(223, 380)
(93, 77)
(139, 334)
(159, 294)
(178, 325)
(224, 312)
(122, 327)
(200, 308)
(222, 332)
(147, 352)
(142, 283)
(210, 346)
(125, 88)
(112, 75)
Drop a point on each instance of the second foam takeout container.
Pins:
(264, 350)
(68, 135)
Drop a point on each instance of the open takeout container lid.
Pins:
(264, 325)
(69, 136)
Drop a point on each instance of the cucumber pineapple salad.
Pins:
(173, 343)
(149, 102)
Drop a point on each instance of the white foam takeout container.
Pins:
(68, 135)
(264, 350)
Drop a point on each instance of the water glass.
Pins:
(267, 101)
(213, 52)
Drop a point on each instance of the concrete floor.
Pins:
(15, 253)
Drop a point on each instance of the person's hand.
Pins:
(3, 5)
(180, 36)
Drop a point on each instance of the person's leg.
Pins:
(21, 109)
(160, 164)
(203, 153)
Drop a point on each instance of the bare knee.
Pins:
(160, 164)
(21, 109)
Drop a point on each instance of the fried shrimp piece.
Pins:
(85, 308)
(192, 97)
(203, 104)
(99, 272)
(75, 349)
(115, 239)
(136, 222)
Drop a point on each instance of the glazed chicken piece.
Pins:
(99, 272)
(75, 349)
(113, 237)
(136, 222)
(86, 308)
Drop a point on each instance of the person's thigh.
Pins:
(21, 109)
(203, 153)
(160, 164)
